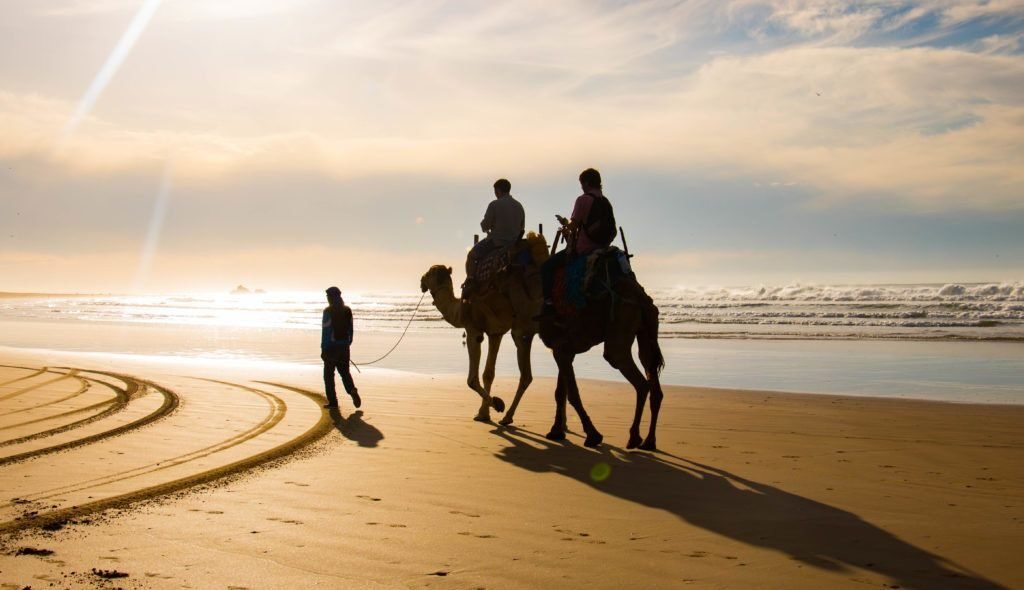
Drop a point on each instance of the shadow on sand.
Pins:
(354, 429)
(813, 533)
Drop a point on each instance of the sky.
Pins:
(176, 145)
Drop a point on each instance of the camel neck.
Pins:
(449, 306)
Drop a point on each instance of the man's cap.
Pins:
(334, 291)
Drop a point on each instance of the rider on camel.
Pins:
(584, 235)
(504, 223)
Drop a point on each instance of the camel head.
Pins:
(438, 276)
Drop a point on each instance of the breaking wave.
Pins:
(945, 311)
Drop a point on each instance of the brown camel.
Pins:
(615, 319)
(510, 304)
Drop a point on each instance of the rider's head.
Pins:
(334, 296)
(590, 179)
(502, 187)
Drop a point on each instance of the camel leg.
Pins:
(473, 339)
(653, 361)
(558, 428)
(572, 392)
(652, 368)
(622, 359)
(650, 443)
(523, 342)
(493, 344)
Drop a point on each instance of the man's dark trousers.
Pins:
(336, 357)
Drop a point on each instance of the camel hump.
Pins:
(538, 247)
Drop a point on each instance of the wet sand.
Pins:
(219, 475)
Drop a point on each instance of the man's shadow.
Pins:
(754, 513)
(354, 429)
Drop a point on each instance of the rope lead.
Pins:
(377, 360)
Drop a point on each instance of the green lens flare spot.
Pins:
(600, 472)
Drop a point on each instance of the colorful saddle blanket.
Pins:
(586, 278)
(498, 260)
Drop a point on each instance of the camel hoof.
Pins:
(593, 440)
(497, 403)
(482, 418)
(555, 435)
(506, 421)
(634, 441)
(649, 445)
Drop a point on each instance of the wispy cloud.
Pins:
(839, 97)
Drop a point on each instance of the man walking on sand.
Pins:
(335, 340)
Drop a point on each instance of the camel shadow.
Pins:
(754, 513)
(355, 429)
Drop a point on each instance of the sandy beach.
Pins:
(136, 472)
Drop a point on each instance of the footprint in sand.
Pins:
(464, 513)
(33, 551)
(576, 536)
(108, 574)
(371, 498)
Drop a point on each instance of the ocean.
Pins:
(952, 342)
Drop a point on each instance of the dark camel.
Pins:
(616, 320)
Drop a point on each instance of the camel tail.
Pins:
(647, 341)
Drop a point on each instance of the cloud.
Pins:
(178, 9)
(838, 22)
(872, 129)
(280, 269)
(537, 88)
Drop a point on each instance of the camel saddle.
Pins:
(499, 261)
(590, 277)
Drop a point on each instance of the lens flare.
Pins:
(156, 224)
(114, 60)
(600, 472)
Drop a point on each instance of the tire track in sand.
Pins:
(321, 428)
(133, 389)
(25, 390)
(277, 409)
(36, 373)
(85, 384)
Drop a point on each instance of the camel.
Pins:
(509, 305)
(616, 320)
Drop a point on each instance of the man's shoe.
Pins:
(355, 398)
